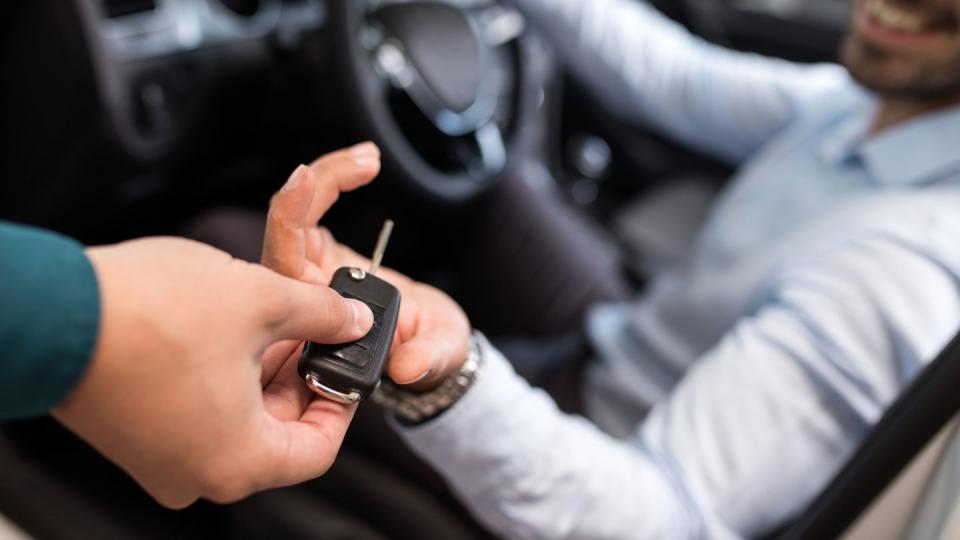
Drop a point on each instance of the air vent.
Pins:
(121, 8)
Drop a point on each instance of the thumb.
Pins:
(316, 313)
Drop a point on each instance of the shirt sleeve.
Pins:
(649, 69)
(749, 437)
(49, 319)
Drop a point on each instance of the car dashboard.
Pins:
(193, 101)
(137, 44)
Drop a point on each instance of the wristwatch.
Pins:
(417, 408)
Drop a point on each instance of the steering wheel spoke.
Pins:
(482, 153)
(500, 25)
(492, 151)
(383, 58)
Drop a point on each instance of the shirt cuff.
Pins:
(49, 321)
(482, 414)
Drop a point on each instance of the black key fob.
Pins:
(350, 372)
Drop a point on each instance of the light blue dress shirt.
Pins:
(726, 397)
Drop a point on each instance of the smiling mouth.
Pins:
(883, 17)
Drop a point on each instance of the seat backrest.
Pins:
(938, 515)
(923, 410)
(911, 505)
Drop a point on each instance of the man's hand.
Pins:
(190, 389)
(432, 331)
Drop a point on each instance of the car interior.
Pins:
(127, 118)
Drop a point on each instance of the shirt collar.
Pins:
(920, 151)
(917, 152)
(842, 144)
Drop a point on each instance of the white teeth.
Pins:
(894, 17)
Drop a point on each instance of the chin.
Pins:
(893, 77)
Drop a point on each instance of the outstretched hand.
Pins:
(433, 333)
(189, 389)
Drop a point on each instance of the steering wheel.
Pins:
(439, 85)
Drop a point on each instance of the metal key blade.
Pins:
(381, 246)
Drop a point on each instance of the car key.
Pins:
(350, 372)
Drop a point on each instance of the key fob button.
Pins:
(356, 367)
(353, 356)
(370, 341)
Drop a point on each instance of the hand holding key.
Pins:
(432, 334)
(349, 372)
(180, 392)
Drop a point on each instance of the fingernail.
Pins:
(298, 175)
(361, 315)
(365, 154)
(417, 379)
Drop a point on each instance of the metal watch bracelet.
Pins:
(416, 408)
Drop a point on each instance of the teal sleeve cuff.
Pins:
(49, 319)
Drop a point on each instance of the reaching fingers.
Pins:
(284, 244)
(337, 172)
(291, 240)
